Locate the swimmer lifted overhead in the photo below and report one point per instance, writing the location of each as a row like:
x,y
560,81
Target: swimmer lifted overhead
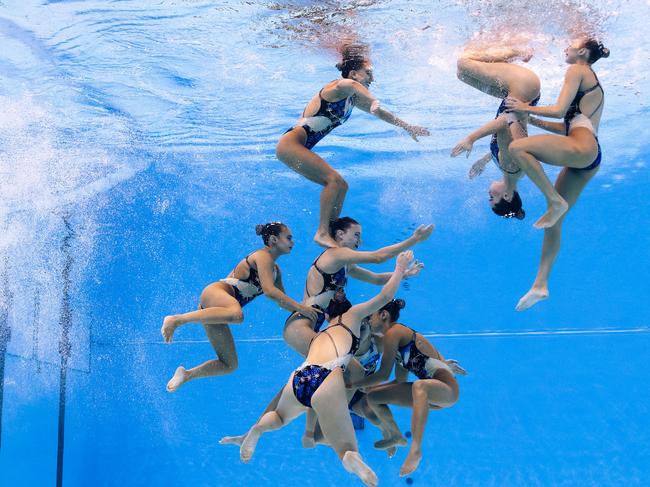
x,y
490,71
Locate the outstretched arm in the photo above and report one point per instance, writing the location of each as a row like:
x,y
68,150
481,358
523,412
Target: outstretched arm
x,y
360,311
347,256
368,103
370,277
492,127
572,81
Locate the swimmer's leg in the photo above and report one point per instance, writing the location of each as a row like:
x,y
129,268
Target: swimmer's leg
x,y
557,150
329,402
362,408
425,393
488,71
569,185
223,343
237,440
288,409
378,399
294,154
217,307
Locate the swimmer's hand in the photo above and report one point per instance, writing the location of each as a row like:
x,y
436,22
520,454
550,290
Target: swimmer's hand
x,y
513,105
455,367
416,131
423,232
464,145
479,166
404,262
309,312
414,269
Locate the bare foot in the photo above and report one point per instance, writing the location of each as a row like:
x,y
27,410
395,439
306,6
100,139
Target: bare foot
x,y
232,440
390,442
531,298
525,54
324,239
553,214
169,326
353,463
247,447
411,463
308,441
180,377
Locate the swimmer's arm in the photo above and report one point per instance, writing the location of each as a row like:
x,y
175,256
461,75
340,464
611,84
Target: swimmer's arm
x,y
265,266
368,103
391,341
348,256
401,374
370,277
278,281
555,127
492,127
568,92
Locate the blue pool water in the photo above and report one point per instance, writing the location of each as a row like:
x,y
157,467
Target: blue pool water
x,y
136,156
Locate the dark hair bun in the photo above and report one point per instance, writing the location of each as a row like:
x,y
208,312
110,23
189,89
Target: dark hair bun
x,y
400,303
339,66
259,229
604,52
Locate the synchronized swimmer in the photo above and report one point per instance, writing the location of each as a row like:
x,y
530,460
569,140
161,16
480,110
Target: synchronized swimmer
x,y
349,351
329,108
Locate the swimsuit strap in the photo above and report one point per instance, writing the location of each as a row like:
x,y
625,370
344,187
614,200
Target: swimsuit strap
x,y
602,98
354,346
336,350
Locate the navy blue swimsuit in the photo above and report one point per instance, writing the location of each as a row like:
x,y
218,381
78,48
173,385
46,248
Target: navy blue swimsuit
x,y
308,377
412,359
494,145
331,282
249,288
330,115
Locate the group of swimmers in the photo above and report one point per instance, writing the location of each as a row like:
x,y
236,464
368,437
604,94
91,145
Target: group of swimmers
x,y
348,360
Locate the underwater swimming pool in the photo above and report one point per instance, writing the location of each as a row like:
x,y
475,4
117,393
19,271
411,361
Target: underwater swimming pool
x,y
137,144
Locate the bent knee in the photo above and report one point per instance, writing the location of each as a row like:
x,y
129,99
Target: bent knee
x,y
236,316
230,364
337,180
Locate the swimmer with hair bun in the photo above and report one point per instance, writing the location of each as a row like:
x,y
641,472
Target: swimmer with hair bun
x,y
221,303
435,388
328,109
577,150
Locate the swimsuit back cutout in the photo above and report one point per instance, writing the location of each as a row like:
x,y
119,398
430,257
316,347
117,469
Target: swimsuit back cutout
x,y
354,346
331,283
330,115
575,110
248,288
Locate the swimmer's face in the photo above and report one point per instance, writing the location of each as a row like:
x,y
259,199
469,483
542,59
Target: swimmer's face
x,y
351,237
364,75
377,325
496,192
575,51
283,242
